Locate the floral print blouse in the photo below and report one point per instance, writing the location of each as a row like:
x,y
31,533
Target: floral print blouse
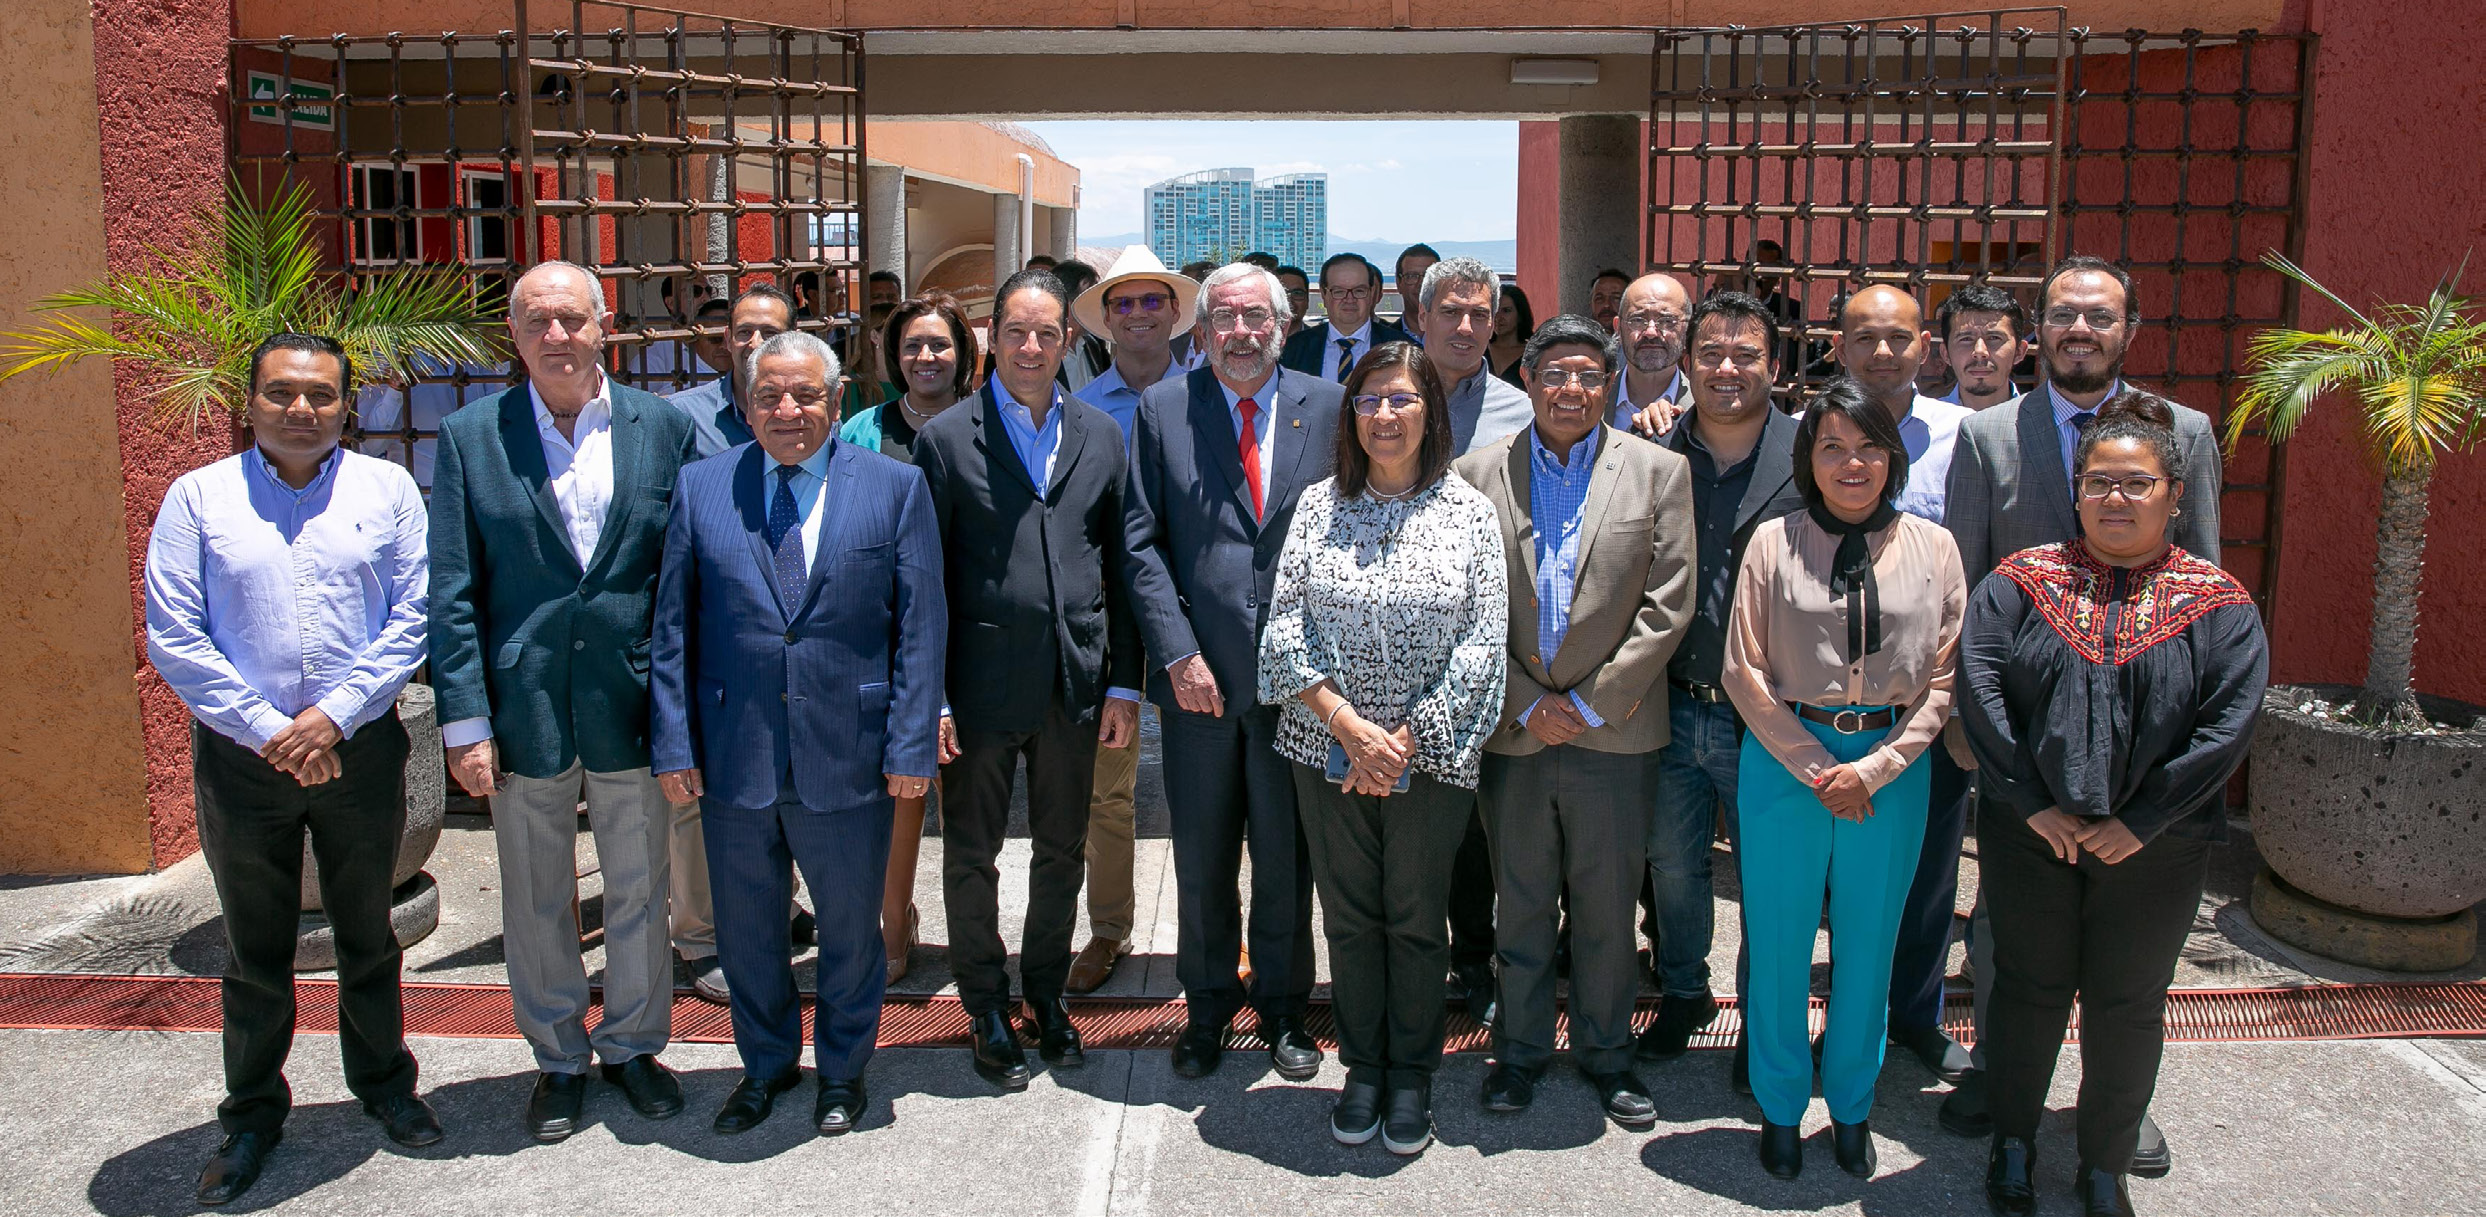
x,y
1404,604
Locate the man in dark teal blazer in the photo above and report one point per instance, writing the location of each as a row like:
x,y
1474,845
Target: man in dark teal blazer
x,y
549,505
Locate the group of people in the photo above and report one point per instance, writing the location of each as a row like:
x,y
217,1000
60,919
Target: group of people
x,y
1487,666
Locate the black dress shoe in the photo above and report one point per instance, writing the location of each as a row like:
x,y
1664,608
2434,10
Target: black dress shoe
x,y
2102,1193
652,1089
2011,1177
804,930
1963,1110
1477,986
1200,1050
1057,1038
1670,1033
407,1120
236,1165
1511,1087
751,1101
1357,1115
1782,1149
1407,1120
1292,1051
998,1057
552,1111
1626,1100
1853,1143
1934,1048
2151,1159
1739,1073
839,1107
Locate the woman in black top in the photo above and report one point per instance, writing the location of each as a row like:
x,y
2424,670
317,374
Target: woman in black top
x,y
1514,322
2111,688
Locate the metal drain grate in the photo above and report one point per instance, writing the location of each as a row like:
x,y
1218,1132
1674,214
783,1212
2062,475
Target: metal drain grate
x,y
191,1003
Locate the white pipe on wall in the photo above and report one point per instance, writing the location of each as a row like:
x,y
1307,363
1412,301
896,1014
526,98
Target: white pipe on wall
x,y
1027,204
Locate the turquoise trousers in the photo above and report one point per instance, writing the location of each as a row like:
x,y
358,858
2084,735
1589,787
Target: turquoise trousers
x,y
1792,851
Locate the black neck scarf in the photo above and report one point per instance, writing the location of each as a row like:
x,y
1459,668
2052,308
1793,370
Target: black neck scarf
x,y
1851,575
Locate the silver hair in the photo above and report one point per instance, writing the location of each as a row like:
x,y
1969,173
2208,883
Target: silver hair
x,y
799,343
1237,272
1461,272
595,286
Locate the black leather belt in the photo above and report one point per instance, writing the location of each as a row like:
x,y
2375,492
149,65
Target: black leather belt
x,y
1705,694
1846,720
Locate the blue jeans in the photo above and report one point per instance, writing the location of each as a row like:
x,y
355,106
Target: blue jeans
x,y
1695,774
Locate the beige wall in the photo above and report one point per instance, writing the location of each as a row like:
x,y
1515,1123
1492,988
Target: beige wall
x,y
73,795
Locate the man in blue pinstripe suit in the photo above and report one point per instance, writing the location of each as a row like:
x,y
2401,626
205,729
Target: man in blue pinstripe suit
x,y
797,665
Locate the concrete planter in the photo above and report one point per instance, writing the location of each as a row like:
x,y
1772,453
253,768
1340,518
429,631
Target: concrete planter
x,y
2382,829
414,900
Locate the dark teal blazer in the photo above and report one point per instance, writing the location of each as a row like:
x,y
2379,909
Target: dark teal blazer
x,y
553,652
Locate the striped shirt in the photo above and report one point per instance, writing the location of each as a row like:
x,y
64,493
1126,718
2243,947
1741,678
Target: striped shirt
x,y
1557,505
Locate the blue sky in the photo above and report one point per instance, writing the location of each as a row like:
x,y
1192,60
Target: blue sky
x,y
1404,181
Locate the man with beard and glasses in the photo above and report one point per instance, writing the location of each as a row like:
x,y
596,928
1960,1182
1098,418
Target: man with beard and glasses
x,y
1985,334
1218,459
1651,395
2011,488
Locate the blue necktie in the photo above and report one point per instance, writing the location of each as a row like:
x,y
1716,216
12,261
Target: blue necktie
x,y
785,536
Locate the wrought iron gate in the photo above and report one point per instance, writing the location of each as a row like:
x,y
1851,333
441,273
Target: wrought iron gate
x,y
1927,152
679,155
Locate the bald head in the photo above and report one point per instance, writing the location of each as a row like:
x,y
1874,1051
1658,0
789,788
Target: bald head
x,y
1882,343
556,320
1651,323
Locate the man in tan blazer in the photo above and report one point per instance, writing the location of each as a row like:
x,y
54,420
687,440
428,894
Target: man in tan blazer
x,y
1597,530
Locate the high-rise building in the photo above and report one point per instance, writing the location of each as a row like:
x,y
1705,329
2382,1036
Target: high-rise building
x,y
1219,215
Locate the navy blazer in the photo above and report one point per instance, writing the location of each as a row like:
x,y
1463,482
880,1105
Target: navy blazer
x,y
1035,582
824,697
552,650
1305,351
1202,566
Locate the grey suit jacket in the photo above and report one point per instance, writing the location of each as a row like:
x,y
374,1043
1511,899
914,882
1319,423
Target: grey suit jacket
x,y
1631,597
2009,490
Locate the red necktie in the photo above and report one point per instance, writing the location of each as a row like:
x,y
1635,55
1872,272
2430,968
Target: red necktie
x,y
1251,451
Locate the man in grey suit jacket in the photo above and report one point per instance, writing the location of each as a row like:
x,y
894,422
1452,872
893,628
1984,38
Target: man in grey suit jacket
x,y
2011,488
1597,531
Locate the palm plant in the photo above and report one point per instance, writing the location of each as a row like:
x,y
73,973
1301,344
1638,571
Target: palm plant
x,y
189,322
2420,373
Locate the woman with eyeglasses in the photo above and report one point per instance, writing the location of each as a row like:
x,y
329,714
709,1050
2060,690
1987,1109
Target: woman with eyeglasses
x,y
1839,659
928,344
1384,645
2109,690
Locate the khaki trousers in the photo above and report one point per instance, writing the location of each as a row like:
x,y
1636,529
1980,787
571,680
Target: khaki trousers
x,y
1111,903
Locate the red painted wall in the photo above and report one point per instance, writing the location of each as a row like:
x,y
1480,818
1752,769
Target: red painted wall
x,y
159,85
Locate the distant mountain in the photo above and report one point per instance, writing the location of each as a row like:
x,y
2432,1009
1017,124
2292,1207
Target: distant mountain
x,y
1502,256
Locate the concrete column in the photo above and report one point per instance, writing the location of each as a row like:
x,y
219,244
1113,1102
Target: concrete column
x,y
1064,226
1600,168
884,221
1007,257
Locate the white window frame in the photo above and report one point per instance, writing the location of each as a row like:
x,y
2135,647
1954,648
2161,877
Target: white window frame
x,y
466,178
410,244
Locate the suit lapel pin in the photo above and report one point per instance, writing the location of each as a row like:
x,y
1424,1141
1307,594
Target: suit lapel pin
x,y
1298,424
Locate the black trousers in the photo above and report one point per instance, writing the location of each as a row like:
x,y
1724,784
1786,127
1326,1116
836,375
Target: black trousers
x,y
1383,867
1568,819
1228,788
1471,896
975,816
1920,959
251,820
2108,934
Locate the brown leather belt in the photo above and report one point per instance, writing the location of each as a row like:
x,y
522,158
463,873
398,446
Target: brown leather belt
x,y
1846,720
1705,694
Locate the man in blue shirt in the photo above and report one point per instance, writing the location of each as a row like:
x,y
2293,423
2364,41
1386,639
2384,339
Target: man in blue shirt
x,y
285,606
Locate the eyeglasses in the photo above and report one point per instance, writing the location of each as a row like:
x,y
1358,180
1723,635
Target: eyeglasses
x,y
1152,302
1652,322
1369,404
283,398
1251,319
2135,488
2098,318
1557,378
1346,293
803,399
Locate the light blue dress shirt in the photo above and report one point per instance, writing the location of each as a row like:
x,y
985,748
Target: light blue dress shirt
x,y
1115,396
808,485
263,600
1930,430
1558,506
2066,430
1625,408
1036,445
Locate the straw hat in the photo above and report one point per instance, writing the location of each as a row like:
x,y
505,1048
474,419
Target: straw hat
x,y
1135,263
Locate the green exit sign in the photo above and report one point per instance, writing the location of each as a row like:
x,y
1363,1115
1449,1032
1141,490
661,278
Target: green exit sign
x,y
264,86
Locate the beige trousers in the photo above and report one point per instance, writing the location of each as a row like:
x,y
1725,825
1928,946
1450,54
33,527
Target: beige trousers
x,y
1111,903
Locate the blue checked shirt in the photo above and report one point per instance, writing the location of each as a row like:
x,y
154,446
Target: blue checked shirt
x,y
1557,504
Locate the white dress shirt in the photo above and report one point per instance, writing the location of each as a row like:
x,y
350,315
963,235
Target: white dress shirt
x,y
580,467
1362,338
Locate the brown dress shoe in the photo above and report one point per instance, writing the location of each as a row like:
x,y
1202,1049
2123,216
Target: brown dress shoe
x,y
1243,966
1095,963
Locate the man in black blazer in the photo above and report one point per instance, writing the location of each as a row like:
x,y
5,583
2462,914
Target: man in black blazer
x,y
1350,288
1205,534
1027,492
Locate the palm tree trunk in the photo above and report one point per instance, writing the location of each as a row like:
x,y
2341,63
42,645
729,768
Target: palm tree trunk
x,y
2389,698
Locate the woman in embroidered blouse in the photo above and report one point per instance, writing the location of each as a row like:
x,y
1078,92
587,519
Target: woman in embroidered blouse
x,y
1839,659
2109,689
1384,643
